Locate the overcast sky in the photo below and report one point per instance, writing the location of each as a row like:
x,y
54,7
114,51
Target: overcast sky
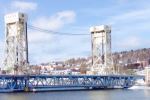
x,y
130,21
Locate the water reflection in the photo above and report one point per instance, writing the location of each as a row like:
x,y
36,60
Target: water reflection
x,y
80,95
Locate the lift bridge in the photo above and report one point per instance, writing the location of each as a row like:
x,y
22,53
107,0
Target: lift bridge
x,y
16,62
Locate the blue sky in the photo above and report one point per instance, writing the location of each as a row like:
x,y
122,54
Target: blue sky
x,y
129,20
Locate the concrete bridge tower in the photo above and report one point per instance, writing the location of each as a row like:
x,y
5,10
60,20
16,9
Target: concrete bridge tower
x,y
16,43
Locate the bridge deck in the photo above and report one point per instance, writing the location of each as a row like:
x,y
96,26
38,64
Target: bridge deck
x,y
11,83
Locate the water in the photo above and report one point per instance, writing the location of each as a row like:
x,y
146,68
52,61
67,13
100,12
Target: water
x,y
134,94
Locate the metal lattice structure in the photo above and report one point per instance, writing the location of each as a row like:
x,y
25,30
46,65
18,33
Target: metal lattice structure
x,y
16,43
10,83
101,49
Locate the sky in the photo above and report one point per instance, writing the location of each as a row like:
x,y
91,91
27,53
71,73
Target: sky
x,y
129,20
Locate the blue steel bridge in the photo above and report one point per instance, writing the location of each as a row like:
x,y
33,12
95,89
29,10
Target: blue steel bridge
x,y
15,83
16,58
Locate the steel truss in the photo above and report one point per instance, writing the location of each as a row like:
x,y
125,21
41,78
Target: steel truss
x,y
9,83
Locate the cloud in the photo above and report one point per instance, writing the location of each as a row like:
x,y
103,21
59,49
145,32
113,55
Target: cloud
x,y
36,37
24,6
131,42
44,47
130,16
60,48
55,21
130,29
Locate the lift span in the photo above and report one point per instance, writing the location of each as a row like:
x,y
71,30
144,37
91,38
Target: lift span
x,y
15,83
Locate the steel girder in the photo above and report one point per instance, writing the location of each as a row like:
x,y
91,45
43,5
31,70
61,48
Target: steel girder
x,y
10,83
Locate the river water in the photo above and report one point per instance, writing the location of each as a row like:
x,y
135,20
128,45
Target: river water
x,y
119,94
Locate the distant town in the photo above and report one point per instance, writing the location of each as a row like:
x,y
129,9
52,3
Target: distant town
x,y
127,62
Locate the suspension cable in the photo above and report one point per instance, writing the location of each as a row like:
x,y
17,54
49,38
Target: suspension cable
x,y
51,31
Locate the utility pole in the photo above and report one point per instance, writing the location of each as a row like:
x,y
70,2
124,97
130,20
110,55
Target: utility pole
x,y
147,75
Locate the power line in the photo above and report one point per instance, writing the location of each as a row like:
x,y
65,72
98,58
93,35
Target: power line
x,y
51,31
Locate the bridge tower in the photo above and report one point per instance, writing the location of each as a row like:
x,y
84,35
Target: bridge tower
x,y
16,43
101,49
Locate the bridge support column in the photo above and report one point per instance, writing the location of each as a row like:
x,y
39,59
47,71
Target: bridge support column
x,y
101,50
16,43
